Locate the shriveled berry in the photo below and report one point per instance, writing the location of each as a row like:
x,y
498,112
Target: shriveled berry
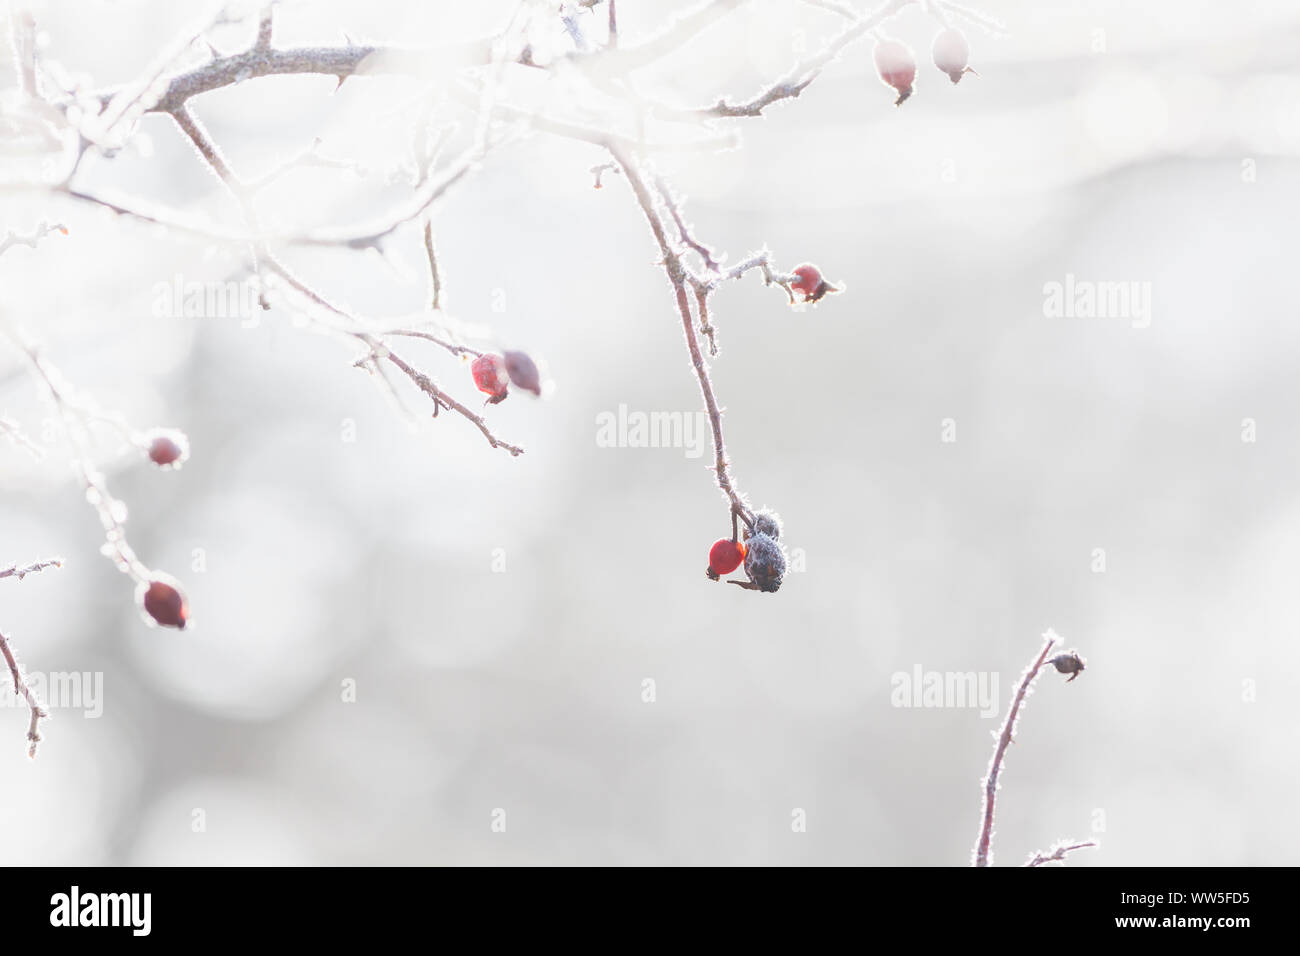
x,y
725,556
1068,663
896,65
951,53
163,600
810,283
490,377
523,372
167,448
766,522
764,562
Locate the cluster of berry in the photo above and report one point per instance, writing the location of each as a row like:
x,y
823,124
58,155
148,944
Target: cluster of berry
x,y
493,374
896,63
160,595
760,551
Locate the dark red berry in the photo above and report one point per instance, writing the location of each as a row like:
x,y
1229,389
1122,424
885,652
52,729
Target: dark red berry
x,y
163,600
490,377
523,372
167,448
810,283
725,556
896,65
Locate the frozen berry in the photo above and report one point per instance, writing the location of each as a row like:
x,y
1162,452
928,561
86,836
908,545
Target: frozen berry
x,y
896,65
951,53
523,372
764,562
163,600
810,283
1068,663
167,448
490,376
725,556
766,522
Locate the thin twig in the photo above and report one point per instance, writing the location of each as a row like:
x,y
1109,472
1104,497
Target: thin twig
x,y
1058,853
677,275
20,683
20,688
42,230
798,79
999,752
14,571
442,400
435,279
683,230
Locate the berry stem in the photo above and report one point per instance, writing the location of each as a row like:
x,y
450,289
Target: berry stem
x,y
677,275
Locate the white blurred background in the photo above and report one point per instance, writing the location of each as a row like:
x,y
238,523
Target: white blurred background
x,y
499,616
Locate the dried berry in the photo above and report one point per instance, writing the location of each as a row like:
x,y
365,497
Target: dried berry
x,y
523,372
1068,663
766,522
725,556
162,599
167,448
764,562
896,65
951,53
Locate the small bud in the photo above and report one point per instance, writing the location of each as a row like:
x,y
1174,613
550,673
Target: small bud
x,y
164,602
167,447
523,372
1068,663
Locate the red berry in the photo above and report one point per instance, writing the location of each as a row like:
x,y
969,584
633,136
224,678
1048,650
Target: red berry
x,y
523,372
725,556
167,448
490,376
163,600
810,283
896,65
951,53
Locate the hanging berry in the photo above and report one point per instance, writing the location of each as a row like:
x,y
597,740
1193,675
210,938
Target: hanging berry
x,y
951,53
809,283
490,377
162,599
724,557
523,372
166,447
896,65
